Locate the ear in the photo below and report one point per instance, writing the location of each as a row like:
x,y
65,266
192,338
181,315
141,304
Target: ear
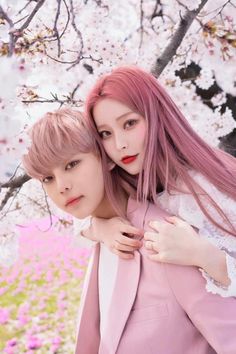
x,y
110,165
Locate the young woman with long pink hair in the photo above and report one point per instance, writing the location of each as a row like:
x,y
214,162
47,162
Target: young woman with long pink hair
x,y
156,152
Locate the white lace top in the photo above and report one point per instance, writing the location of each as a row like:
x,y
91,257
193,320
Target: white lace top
x,y
186,207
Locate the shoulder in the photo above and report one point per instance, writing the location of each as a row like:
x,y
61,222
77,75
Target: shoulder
x,y
225,202
182,203
141,213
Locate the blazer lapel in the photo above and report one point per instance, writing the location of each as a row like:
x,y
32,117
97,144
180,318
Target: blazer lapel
x,y
124,294
88,338
123,297
125,289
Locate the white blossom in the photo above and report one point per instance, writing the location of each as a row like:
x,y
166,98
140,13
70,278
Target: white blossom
x,y
205,79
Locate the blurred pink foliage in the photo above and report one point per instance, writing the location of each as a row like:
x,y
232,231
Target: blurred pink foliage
x,y
40,293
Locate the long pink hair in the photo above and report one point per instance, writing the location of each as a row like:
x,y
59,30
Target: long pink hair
x,y
172,146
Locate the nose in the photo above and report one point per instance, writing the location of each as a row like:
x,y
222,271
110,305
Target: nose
x,y
63,185
121,142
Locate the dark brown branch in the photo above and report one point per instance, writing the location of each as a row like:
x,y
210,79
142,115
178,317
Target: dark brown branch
x,y
55,28
31,16
5,16
12,192
16,33
78,34
61,102
74,90
176,40
68,18
16,182
26,5
141,24
12,41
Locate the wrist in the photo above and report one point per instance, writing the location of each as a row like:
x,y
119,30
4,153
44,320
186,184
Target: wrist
x,y
213,262
96,224
201,253
209,255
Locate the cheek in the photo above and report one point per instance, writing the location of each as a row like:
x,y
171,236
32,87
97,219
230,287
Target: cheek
x,y
49,193
109,146
53,198
140,134
98,190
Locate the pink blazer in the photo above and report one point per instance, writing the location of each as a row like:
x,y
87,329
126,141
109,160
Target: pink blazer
x,y
156,308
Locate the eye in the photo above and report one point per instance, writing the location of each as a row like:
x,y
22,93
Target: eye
x,y
72,164
46,179
130,123
104,134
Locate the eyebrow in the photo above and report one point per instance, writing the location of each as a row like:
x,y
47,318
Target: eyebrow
x,y
117,119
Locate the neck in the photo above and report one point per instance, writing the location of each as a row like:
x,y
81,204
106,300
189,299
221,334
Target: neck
x,y
105,209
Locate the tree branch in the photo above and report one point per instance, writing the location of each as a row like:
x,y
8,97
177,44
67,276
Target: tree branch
x,y
176,40
12,41
31,16
55,28
16,182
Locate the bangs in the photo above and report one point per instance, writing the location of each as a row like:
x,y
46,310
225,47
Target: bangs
x,y
55,138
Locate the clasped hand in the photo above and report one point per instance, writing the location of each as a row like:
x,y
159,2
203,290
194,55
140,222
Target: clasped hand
x,y
173,241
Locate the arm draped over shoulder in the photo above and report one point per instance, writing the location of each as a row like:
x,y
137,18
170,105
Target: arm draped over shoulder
x,y
186,207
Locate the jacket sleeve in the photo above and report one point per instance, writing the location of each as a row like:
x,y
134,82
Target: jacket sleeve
x,y
213,315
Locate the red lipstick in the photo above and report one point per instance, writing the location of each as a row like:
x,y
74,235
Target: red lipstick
x,y
73,201
128,159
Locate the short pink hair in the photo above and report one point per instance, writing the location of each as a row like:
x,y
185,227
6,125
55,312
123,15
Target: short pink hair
x,y
56,137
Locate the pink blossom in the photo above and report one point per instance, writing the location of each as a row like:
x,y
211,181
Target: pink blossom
x,y
4,315
34,342
43,316
9,350
78,273
62,295
54,348
56,340
12,342
22,320
3,290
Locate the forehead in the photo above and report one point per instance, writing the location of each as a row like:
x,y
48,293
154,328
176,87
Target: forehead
x,y
109,108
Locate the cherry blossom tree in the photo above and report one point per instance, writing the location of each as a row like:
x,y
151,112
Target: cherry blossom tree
x,y
51,52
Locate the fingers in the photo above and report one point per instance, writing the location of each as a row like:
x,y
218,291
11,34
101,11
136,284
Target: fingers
x,y
175,220
125,240
86,233
151,236
156,225
155,257
131,230
151,246
127,248
170,221
123,255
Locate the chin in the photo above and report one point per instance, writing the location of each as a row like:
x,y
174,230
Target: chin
x,y
81,215
133,171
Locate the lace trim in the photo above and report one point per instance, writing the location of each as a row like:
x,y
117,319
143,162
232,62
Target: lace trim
x,y
215,287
